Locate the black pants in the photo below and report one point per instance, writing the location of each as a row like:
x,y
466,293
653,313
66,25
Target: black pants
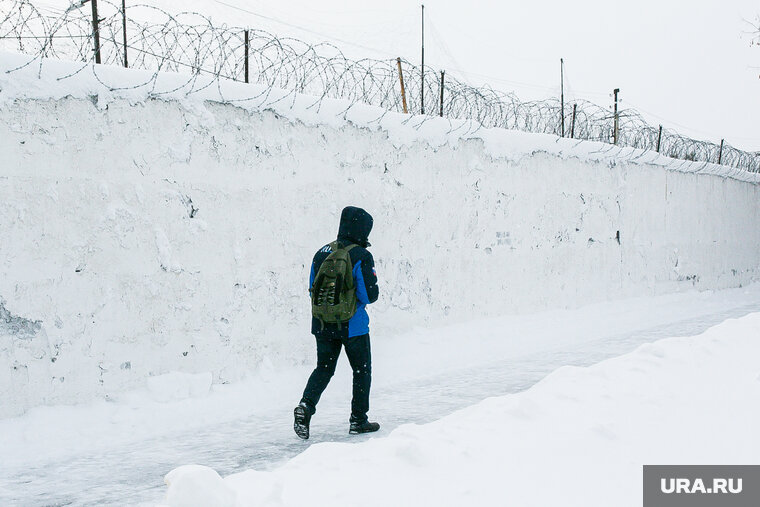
x,y
328,350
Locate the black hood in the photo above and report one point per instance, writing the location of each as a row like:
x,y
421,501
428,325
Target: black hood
x,y
355,226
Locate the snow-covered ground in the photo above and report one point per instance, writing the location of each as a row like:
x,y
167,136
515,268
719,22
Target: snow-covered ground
x,y
117,452
578,437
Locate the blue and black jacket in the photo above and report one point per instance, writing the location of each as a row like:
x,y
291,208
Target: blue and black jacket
x,y
355,226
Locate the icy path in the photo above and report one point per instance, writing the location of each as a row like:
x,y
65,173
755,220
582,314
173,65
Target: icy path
x,y
416,381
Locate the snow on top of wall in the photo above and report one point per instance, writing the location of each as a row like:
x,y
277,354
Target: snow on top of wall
x,y
25,77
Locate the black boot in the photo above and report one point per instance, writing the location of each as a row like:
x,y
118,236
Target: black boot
x,y
363,427
301,419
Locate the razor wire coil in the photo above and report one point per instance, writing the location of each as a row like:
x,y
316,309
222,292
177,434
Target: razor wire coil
x,y
190,43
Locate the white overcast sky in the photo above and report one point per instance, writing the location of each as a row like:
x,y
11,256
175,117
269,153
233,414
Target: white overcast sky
x,y
686,64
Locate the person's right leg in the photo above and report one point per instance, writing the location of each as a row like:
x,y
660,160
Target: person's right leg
x,y
359,355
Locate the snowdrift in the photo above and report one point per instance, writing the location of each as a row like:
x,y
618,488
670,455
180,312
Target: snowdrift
x,y
585,431
153,224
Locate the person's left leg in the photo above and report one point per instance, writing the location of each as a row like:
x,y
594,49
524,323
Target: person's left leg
x,y
328,350
359,355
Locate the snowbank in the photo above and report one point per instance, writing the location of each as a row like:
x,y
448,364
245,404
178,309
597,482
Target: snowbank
x,y
579,437
154,224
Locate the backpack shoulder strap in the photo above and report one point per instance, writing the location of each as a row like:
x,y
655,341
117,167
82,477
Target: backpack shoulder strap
x,y
335,245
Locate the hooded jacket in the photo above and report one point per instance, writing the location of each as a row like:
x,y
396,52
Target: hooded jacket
x,y
355,226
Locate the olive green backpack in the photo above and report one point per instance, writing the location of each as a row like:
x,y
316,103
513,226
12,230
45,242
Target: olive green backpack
x,y
333,294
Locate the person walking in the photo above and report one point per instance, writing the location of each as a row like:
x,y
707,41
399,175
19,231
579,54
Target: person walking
x,y
342,283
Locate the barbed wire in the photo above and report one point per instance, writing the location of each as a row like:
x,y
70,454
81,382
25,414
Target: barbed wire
x,y
189,43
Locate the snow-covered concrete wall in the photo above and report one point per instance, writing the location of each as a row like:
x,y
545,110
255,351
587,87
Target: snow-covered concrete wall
x,y
137,238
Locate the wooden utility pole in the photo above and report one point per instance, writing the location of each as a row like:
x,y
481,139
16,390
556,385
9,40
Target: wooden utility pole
x,y
401,80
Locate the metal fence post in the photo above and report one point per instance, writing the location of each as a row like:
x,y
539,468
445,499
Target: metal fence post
x,y
246,55
616,130
401,80
124,29
95,32
572,126
422,71
562,96
443,73
720,153
659,138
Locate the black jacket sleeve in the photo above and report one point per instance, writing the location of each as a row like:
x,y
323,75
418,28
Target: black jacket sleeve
x,y
370,278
